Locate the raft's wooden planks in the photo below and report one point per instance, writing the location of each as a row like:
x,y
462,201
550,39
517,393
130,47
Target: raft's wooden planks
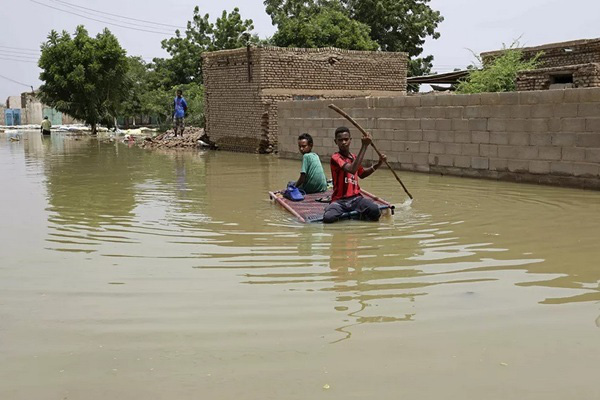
x,y
311,210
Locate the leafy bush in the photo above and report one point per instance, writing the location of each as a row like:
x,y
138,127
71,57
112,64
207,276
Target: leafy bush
x,y
500,74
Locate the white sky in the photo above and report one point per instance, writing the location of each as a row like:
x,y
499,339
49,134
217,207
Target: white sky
x,y
478,25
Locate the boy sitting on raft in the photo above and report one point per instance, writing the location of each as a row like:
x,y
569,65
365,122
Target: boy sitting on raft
x,y
312,177
346,168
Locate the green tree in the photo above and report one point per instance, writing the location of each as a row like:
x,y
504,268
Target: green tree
x,y
395,25
323,26
84,77
499,74
137,83
185,65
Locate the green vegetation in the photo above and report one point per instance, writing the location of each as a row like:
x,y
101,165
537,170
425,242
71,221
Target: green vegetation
x,y
93,80
84,77
498,75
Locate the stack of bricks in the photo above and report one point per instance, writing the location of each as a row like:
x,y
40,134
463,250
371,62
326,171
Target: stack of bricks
x,y
541,136
241,102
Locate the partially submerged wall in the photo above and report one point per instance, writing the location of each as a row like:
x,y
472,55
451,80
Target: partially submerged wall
x,y
543,136
243,87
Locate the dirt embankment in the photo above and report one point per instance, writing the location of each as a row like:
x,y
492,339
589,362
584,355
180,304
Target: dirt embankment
x,y
193,138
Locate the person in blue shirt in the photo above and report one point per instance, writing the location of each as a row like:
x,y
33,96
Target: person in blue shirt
x,y
180,107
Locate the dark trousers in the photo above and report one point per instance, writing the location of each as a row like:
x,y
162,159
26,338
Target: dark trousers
x,y
366,208
45,132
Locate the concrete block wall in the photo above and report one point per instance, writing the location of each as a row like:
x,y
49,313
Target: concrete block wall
x,y
548,137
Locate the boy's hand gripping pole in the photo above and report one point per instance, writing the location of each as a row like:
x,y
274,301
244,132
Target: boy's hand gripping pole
x,y
353,122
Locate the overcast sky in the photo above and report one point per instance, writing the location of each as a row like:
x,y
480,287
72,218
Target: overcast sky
x,y
477,25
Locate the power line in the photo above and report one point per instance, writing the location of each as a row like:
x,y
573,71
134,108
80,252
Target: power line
x,y
19,50
74,7
4,53
97,20
116,15
12,80
12,59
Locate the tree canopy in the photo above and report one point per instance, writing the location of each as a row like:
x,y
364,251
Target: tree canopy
x,y
229,31
82,76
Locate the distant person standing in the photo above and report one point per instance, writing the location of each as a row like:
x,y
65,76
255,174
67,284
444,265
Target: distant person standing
x,y
180,107
46,125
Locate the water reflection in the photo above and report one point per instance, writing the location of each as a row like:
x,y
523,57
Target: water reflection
x,y
210,210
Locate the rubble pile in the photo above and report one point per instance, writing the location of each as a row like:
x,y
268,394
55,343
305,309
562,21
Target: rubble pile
x,y
193,138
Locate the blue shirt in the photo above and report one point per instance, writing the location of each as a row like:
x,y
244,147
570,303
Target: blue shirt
x,y
180,107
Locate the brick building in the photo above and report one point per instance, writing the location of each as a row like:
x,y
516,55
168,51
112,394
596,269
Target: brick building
x,y
243,86
561,65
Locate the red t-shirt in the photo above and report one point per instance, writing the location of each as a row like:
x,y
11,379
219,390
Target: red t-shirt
x,y
345,184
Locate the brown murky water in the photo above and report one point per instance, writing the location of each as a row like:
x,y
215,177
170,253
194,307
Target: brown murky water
x,y
133,274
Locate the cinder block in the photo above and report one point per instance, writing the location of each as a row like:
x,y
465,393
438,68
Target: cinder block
x,y
564,110
384,145
550,96
572,124
471,112
384,102
498,138
508,98
480,137
437,148
423,147
431,136
460,100
589,95
413,124
413,101
400,101
518,138
496,125
518,166
593,125
554,125
429,100
474,99
443,124
488,150
459,124
588,139
399,146
404,158
490,98
444,100
421,159
498,164
592,155
470,149
521,111
588,109
478,124
453,112
446,136
415,135
462,137
526,152
480,162
462,161
519,125
405,112
561,168
573,154
586,170
539,167
529,98
540,139
428,124
506,152
563,139
453,148
549,153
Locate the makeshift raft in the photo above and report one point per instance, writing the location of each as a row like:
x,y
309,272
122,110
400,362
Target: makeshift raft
x,y
311,209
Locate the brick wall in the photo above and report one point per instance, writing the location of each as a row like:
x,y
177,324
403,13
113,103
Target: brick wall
x,y
559,54
584,75
542,136
242,114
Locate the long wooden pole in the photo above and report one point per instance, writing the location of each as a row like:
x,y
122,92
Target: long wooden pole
x,y
353,122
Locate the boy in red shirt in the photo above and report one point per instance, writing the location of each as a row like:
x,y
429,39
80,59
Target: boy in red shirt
x,y
345,170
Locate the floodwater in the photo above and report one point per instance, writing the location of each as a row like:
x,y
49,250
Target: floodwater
x,y
127,273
